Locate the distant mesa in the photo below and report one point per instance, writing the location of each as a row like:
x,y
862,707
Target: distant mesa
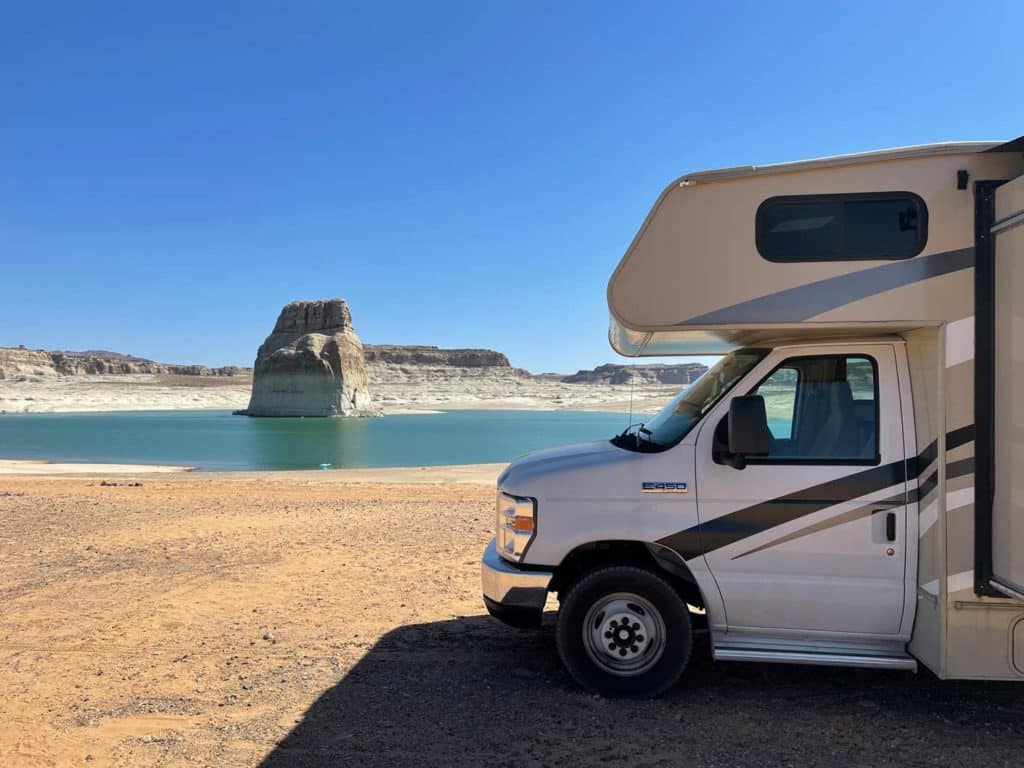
x,y
17,362
648,374
312,364
398,354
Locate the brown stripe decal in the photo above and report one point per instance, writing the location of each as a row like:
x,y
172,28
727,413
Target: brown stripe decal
x,y
846,517
959,437
927,486
750,521
795,305
960,468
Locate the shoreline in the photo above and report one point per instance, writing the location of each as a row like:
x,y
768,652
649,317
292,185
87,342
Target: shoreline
x,y
103,393
485,473
46,468
649,406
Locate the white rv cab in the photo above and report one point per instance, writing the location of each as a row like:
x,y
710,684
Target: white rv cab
x,y
845,485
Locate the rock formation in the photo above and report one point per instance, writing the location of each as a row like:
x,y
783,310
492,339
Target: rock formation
x,y
427,376
312,364
312,361
645,373
398,354
16,362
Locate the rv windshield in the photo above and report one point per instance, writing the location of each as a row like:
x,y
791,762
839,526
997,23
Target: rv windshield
x,y
677,418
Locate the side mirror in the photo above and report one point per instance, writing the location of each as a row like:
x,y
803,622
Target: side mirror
x,y
748,429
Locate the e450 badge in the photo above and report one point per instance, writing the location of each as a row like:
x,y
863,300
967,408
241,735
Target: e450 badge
x,y
661,486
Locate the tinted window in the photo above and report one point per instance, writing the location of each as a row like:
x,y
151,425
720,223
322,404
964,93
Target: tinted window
x,y
822,409
882,225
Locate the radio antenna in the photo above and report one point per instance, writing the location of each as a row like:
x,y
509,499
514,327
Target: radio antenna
x,y
632,385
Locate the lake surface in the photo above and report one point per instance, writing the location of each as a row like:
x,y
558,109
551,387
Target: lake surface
x,y
216,440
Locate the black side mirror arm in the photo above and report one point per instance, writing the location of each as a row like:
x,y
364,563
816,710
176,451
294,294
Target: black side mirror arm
x,y
721,455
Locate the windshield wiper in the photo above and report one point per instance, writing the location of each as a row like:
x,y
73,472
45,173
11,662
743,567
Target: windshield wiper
x,y
641,430
626,431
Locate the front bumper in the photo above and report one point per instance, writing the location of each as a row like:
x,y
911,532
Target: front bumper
x,y
513,594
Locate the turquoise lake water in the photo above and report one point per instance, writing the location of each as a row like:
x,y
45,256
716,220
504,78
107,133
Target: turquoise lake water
x,y
216,440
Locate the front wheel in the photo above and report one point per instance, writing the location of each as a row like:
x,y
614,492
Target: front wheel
x,y
624,631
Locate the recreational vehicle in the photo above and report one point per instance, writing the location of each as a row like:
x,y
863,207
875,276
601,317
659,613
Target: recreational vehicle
x,y
846,485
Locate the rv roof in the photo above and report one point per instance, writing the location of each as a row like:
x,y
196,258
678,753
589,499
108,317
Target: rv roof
x,y
690,282
879,155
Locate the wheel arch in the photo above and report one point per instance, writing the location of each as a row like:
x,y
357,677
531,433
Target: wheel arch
x,y
655,557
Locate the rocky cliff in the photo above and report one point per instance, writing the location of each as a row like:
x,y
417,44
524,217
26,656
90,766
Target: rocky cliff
x,y
385,363
393,364
647,374
311,364
16,362
322,340
396,354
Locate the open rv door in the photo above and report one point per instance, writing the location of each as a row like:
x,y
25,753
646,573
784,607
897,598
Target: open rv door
x,y
1004,570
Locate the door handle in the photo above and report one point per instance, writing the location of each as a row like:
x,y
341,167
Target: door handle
x,y
890,526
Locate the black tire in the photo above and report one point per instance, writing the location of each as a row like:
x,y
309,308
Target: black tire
x,y
605,586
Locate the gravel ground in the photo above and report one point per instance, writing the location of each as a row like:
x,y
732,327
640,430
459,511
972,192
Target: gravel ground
x,y
289,621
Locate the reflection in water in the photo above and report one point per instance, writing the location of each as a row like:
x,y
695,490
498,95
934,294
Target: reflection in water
x,y
306,443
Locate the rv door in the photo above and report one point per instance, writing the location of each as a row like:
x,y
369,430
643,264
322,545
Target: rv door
x,y
1007,235
812,535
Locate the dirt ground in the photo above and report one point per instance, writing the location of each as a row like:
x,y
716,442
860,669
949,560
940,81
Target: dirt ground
x,y
299,621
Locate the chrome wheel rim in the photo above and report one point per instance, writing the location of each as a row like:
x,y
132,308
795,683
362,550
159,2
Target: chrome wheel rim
x,y
624,634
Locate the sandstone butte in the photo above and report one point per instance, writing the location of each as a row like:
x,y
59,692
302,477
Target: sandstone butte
x,y
311,364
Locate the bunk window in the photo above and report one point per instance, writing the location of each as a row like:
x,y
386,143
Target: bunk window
x,y
877,225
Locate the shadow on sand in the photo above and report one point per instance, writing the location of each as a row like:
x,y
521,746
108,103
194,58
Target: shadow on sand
x,y
473,692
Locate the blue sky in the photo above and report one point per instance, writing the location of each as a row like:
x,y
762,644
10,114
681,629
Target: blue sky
x,y
466,174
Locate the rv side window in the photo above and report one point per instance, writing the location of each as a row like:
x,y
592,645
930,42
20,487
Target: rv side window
x,y
822,409
849,227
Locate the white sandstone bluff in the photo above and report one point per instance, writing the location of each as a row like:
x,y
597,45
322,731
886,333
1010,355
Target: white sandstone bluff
x,y
402,379
312,364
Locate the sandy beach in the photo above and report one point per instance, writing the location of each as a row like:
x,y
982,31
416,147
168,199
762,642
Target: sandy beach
x,y
334,619
460,473
48,468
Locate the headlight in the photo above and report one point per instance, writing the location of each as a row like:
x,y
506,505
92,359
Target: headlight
x,y
516,525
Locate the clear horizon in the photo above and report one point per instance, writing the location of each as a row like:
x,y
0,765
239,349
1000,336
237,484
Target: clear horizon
x,y
465,175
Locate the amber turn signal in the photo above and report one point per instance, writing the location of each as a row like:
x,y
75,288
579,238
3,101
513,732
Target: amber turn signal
x,y
523,524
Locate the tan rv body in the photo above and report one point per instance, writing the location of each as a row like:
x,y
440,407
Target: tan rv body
x,y
693,282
